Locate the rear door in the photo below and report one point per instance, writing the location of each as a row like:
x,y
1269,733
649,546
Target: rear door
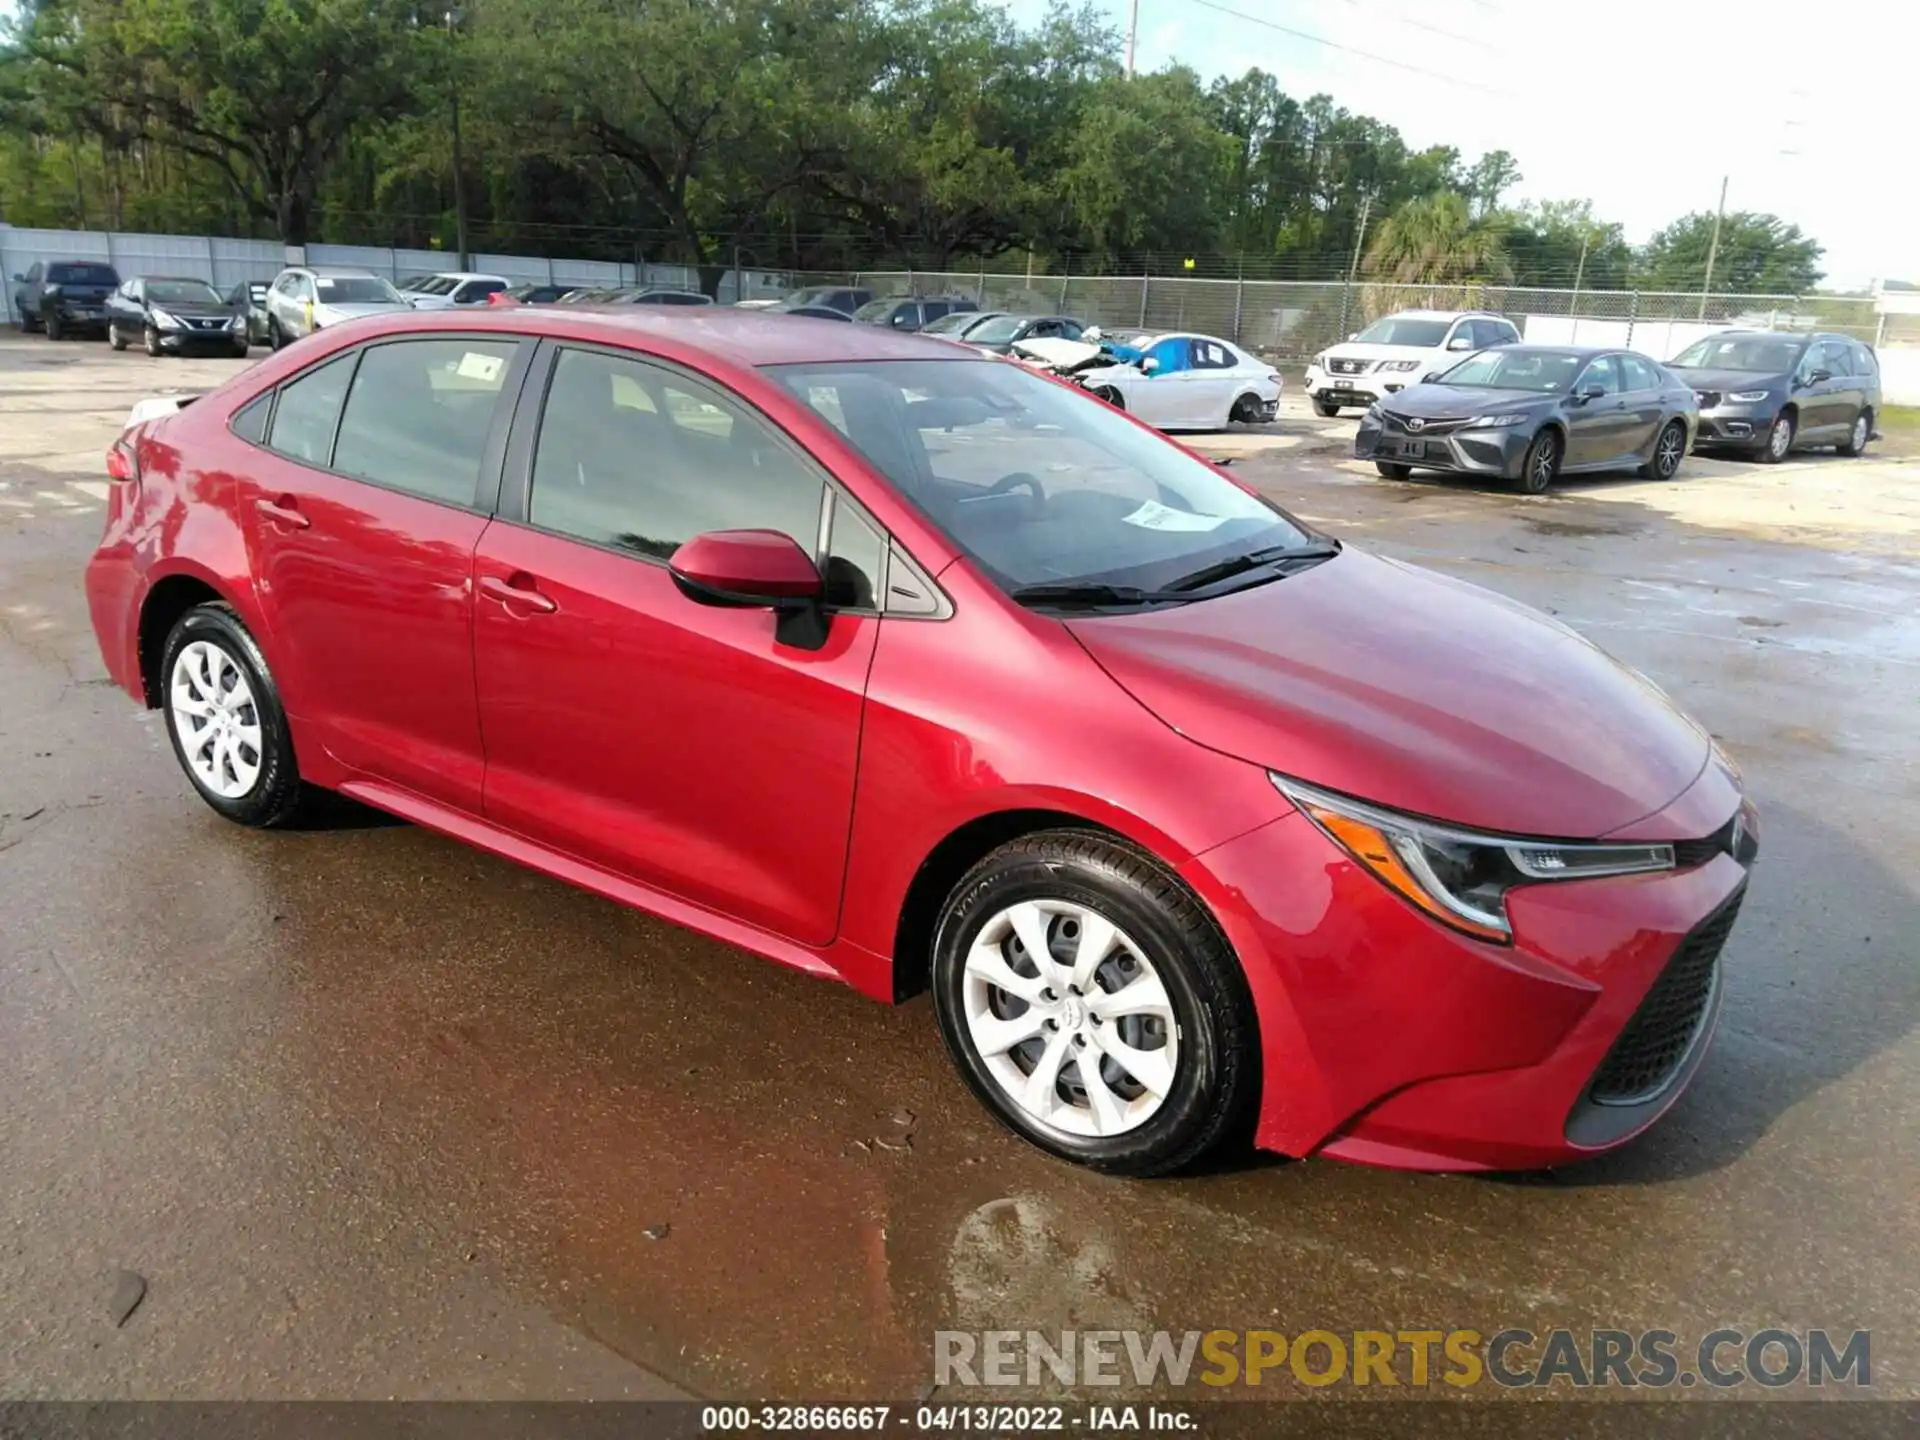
x,y
1645,403
361,516
684,746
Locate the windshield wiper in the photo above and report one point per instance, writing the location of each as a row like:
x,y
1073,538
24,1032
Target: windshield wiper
x,y
1252,560
1093,594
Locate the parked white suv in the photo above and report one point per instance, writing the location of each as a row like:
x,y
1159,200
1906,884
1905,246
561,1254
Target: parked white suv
x,y
454,287
306,298
1398,351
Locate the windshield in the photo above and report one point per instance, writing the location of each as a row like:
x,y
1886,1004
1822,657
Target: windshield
x,y
1399,330
1546,371
956,323
1039,484
437,285
875,310
183,292
356,290
82,275
1763,354
999,330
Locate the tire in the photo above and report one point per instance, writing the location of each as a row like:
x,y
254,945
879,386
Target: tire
x,y
1393,470
114,337
1669,450
29,324
1542,465
209,640
1246,411
1112,396
1326,411
153,342
1855,445
51,324
276,337
1201,1026
241,347
1779,441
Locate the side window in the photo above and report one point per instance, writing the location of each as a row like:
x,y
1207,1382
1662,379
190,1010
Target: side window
x,y
250,420
1602,372
419,415
905,317
634,455
33,273
1069,330
1169,357
855,558
1863,361
1640,375
284,285
1834,356
309,412
1212,356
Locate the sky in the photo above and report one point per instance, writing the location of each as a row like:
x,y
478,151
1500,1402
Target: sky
x,y
1640,106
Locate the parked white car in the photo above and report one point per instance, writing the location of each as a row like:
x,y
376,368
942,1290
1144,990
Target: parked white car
x,y
1179,382
306,298
455,287
1399,351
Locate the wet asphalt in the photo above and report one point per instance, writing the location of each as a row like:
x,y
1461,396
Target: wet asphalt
x,y
373,1114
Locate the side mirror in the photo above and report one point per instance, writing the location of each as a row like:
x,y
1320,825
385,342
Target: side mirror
x,y
1591,392
1460,342
746,568
1354,336
1817,376
1149,364
19,279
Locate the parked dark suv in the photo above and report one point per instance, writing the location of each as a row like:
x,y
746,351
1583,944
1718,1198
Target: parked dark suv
x,y
1769,392
64,295
910,312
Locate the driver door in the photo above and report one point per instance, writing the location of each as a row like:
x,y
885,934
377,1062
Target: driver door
x,y
1596,429
1159,396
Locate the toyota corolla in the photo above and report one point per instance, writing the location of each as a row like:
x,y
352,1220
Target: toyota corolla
x,y
917,670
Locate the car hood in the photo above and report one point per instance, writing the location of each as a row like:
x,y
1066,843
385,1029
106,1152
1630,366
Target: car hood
x,y
1413,690
357,309
199,309
1728,379
1436,402
1356,350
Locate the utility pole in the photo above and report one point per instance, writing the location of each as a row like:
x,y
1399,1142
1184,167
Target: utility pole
x,y
1133,33
1713,247
1359,240
453,18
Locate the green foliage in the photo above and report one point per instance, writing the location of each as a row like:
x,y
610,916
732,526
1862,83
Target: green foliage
x,y
822,134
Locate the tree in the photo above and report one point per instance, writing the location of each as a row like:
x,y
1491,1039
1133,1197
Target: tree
x,y
266,92
1758,254
1559,243
1436,241
1490,177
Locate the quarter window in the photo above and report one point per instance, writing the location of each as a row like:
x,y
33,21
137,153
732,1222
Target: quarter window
x,y
309,412
634,456
1640,375
419,415
1863,361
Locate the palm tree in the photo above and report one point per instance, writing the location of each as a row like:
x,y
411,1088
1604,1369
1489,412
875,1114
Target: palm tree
x,y
1436,241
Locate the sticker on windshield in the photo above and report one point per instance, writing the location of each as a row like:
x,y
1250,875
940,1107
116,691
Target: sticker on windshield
x,y
1155,516
476,366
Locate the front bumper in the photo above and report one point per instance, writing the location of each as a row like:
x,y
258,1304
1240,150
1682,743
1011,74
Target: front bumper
x,y
1357,389
80,317
1741,425
180,341
1497,453
1390,1039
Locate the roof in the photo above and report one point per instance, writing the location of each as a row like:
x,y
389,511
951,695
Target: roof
x,y
748,338
1439,315
339,270
471,275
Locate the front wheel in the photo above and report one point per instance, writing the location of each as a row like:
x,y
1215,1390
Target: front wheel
x,y
1857,438
224,717
51,321
153,342
1668,451
276,337
1542,463
1392,470
1326,409
1093,1006
1779,441
114,338
1112,396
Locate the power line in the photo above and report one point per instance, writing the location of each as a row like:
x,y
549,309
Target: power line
x,y
1313,39
1413,24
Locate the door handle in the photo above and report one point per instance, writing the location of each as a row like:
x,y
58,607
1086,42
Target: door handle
x,y
282,512
517,589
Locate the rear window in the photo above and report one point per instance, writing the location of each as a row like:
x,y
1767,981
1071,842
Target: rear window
x,y
71,274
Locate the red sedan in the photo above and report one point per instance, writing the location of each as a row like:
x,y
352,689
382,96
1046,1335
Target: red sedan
x,y
918,670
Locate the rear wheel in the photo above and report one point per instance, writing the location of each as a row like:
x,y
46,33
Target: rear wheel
x,y
1779,441
1326,409
1393,470
114,338
1857,438
1246,410
1542,463
1093,1005
224,717
276,337
1668,451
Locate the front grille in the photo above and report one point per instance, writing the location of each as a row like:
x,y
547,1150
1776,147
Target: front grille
x,y
199,323
1347,367
1707,398
1428,428
1732,838
1662,1031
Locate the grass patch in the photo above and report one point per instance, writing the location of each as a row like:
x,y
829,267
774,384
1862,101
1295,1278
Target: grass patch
x,y
1899,427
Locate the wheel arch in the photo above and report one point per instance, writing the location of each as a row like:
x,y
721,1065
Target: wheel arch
x,y
166,600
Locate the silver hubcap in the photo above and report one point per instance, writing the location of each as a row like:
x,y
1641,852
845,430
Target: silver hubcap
x,y
216,720
1070,1019
1781,438
1543,463
1669,452
1860,433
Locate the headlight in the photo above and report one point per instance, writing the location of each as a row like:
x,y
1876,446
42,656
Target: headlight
x,y
1747,397
234,322
1400,365
1373,411
161,319
1320,360
1493,422
1459,877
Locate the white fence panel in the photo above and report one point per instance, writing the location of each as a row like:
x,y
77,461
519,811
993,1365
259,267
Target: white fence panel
x,y
1899,374
237,260
377,258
